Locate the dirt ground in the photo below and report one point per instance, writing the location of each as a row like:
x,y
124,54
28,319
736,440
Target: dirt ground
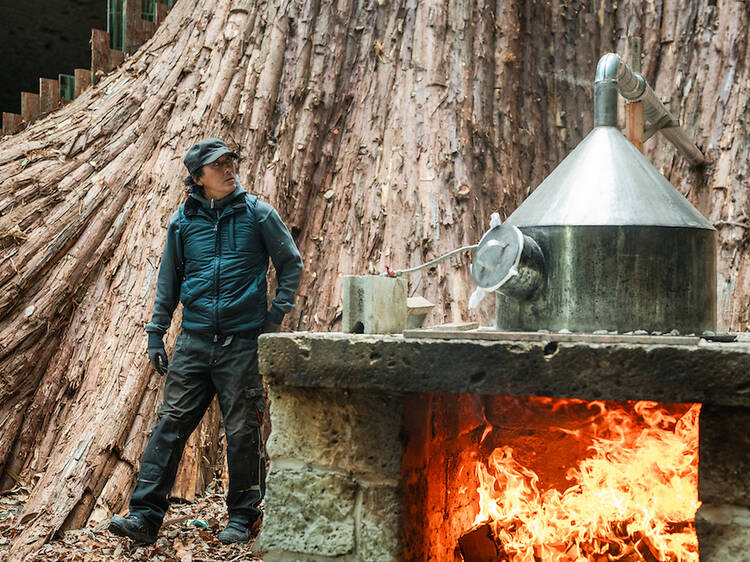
x,y
188,535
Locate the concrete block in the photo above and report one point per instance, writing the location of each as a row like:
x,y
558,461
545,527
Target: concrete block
x,y
380,524
308,511
356,431
374,304
417,310
724,455
723,533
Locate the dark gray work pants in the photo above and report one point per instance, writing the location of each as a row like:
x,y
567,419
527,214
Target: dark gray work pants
x,y
201,367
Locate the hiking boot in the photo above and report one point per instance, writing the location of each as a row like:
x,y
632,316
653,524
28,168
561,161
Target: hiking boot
x,y
239,532
133,527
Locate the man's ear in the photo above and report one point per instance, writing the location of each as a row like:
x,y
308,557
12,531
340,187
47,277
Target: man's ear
x,y
198,180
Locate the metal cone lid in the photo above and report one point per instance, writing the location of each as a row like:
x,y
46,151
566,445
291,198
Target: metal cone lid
x,y
607,181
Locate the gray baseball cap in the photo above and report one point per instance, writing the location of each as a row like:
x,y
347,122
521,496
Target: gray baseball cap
x,y
205,152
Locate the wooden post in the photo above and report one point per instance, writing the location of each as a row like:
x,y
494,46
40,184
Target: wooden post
x,y
49,95
161,12
634,110
11,123
103,59
83,80
115,58
149,28
30,107
133,25
99,54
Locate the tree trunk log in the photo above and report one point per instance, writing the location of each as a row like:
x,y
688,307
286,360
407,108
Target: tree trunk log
x,y
383,132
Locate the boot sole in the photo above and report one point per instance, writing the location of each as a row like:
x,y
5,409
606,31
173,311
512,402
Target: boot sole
x,y
234,541
132,535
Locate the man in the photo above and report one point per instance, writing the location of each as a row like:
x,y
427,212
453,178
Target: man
x,y
215,262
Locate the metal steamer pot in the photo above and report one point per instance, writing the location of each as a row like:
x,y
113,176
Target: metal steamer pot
x,y
604,243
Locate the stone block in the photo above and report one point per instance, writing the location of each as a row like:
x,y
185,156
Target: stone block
x,y
350,431
380,524
374,304
723,533
713,373
308,511
724,449
417,309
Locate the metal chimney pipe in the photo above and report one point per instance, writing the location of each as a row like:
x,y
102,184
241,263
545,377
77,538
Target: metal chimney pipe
x,y
614,75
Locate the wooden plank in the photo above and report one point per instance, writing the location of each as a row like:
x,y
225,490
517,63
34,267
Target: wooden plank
x,y
149,28
478,545
161,12
634,123
11,123
100,64
83,80
456,327
49,95
133,25
634,111
489,334
115,58
30,107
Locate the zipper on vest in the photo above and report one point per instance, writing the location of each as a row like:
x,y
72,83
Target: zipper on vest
x,y
217,270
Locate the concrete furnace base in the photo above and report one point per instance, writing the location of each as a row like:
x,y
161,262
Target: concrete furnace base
x,y
337,413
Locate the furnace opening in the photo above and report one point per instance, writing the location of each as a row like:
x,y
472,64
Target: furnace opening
x,y
540,479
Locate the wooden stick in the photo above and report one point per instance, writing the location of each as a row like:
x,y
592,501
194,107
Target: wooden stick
x,y
478,545
634,110
634,123
115,58
83,80
645,547
49,95
100,57
148,28
30,107
11,123
161,12
133,25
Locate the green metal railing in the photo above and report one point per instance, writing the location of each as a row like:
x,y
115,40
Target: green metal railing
x,y
67,86
116,19
116,24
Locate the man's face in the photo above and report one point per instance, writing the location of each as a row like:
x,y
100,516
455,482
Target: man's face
x,y
218,177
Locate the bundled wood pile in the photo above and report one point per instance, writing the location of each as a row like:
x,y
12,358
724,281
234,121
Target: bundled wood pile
x,y
480,544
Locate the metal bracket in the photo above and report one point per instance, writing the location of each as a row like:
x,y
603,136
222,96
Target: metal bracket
x,y
663,123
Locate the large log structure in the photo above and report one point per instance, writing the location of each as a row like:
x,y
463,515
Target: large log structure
x,y
384,132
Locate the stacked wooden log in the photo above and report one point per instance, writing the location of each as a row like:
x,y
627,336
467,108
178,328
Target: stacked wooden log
x,y
481,544
103,60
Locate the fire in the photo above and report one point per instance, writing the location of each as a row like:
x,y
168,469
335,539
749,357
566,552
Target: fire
x,y
634,492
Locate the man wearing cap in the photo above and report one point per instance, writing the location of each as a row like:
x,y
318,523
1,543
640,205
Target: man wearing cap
x,y
215,262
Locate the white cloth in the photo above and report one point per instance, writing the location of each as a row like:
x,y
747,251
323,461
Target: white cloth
x,y
476,297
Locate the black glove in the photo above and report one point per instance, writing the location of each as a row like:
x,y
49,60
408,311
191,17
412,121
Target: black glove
x,y
272,322
269,327
157,354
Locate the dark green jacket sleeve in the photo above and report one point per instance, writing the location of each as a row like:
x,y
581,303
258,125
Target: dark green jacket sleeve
x,y
169,280
285,257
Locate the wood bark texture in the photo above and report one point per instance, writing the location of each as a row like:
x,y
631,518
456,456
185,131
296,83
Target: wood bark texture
x,y
384,132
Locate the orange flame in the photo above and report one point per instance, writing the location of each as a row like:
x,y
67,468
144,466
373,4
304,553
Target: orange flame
x,y
638,486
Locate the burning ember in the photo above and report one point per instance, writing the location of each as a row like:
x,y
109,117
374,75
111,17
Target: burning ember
x,y
632,495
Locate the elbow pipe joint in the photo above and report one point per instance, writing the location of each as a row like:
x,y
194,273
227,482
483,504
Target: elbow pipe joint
x,y
614,76
605,91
